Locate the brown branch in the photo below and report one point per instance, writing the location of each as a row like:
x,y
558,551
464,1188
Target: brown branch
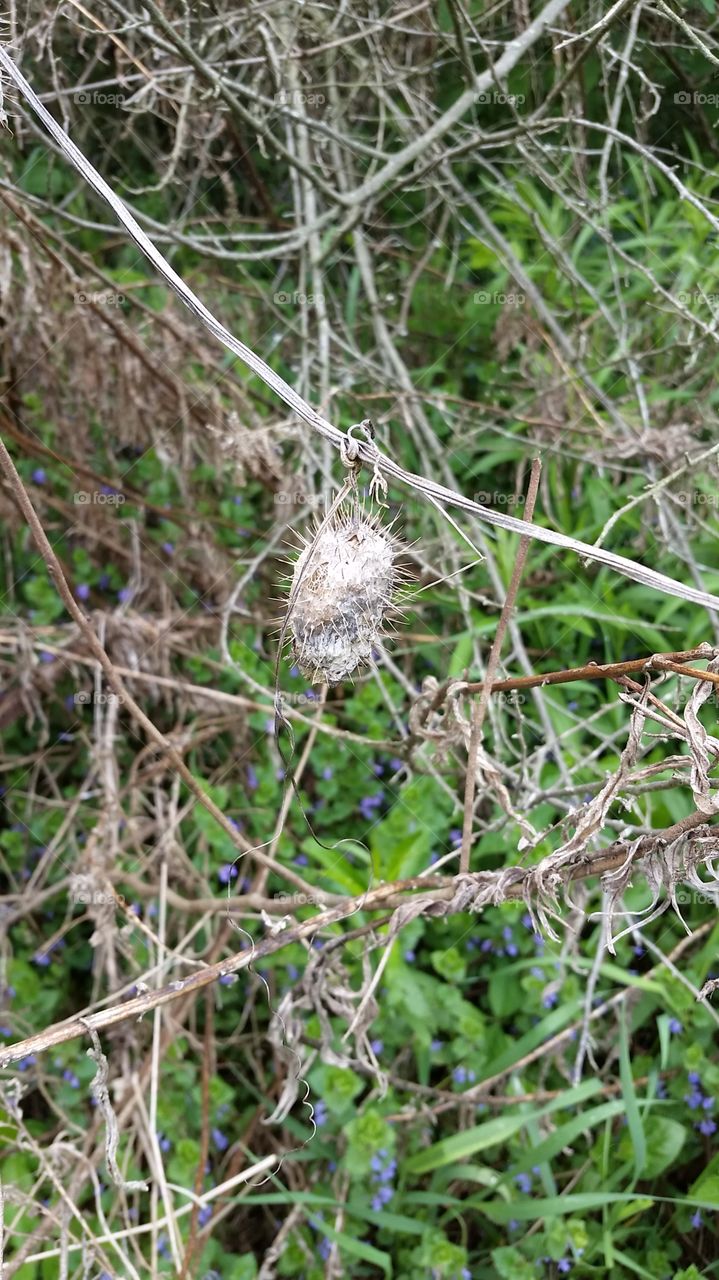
x,y
57,577
592,671
490,888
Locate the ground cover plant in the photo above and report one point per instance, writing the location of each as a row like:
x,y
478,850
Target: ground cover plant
x,y
404,968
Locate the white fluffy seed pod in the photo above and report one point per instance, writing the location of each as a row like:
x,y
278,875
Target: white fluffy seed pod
x,y
345,584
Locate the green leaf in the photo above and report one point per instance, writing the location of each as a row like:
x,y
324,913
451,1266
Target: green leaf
x,y
512,1265
634,1119
664,1141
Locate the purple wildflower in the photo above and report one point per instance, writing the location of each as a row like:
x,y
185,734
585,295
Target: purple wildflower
x,y
696,1220
524,1182
226,873
675,1026
707,1127
320,1116
382,1197
220,1140
39,475
204,1215
82,591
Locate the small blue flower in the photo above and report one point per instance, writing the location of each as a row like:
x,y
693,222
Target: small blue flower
x,y
39,475
204,1215
226,873
696,1220
163,1142
693,1077
252,779
409,956
707,1127
82,591
168,548
549,999
124,595
675,1026
220,1140
327,773
436,1045
376,1046
524,1182
320,1116
381,1198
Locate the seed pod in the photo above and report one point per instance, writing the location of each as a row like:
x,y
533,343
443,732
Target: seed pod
x,y
344,584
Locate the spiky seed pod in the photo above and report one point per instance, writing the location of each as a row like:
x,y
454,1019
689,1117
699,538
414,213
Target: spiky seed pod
x,y
345,584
